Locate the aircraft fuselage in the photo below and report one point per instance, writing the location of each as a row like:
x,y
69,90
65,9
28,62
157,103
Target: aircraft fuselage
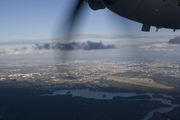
x,y
158,13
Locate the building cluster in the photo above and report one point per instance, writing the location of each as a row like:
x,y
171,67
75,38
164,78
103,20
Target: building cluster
x,y
83,70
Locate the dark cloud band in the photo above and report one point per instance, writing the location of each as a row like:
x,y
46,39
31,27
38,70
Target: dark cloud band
x,y
175,40
89,45
16,49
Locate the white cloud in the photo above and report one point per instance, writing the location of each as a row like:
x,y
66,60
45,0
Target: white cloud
x,y
19,52
162,45
162,49
41,51
10,53
145,47
158,47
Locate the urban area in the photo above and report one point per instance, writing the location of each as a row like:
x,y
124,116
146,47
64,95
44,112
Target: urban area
x,y
90,73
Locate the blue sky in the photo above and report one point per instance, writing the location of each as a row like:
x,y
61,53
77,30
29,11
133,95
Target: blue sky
x,y
26,19
27,22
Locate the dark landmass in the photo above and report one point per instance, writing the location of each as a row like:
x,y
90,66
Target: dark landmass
x,y
138,89
101,86
68,93
27,104
158,116
172,115
176,100
104,95
166,80
130,74
69,78
157,96
111,82
161,96
122,87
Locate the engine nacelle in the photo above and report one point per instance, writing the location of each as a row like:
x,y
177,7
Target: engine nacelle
x,y
96,5
110,2
125,8
159,13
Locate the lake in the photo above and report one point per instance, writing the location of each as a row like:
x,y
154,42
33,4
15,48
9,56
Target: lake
x,y
86,93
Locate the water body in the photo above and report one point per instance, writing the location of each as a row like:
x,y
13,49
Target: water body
x,y
86,93
161,110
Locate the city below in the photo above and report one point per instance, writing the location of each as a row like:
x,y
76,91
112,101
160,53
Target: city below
x,y
154,85
48,74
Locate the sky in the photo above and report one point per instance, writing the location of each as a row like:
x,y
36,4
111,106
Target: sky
x,y
37,29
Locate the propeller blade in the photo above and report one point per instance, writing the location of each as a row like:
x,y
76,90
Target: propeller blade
x,y
69,24
75,13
